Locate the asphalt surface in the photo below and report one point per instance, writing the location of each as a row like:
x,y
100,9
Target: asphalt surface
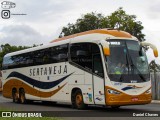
x,y
91,113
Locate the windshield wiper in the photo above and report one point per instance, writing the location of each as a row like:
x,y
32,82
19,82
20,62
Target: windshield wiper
x,y
127,64
133,65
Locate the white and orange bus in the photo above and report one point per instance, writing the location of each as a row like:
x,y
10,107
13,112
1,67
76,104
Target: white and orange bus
x,y
98,67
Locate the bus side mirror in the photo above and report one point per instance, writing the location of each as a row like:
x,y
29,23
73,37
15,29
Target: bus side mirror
x,y
154,48
141,51
105,46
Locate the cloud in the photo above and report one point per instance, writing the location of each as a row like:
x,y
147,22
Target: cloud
x,y
154,10
46,17
21,35
153,37
40,11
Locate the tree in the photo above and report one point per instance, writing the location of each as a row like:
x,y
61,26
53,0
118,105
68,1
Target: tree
x,y
117,20
154,67
120,20
89,21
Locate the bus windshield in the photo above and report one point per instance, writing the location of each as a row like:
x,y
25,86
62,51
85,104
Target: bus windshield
x,y
127,62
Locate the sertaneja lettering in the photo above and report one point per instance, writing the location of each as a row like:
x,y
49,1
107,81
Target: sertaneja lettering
x,y
52,70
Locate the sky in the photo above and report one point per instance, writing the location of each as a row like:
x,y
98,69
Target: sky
x,y
45,19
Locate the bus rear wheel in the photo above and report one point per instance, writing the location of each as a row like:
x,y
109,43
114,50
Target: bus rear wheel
x,y
22,96
78,100
15,96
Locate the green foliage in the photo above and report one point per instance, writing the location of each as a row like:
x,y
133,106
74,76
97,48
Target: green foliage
x,y
154,67
8,49
117,20
89,21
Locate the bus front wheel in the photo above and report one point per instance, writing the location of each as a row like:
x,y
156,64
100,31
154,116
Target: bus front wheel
x,y
78,100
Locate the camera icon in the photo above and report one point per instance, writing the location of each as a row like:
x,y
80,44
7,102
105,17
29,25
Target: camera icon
x,y
5,14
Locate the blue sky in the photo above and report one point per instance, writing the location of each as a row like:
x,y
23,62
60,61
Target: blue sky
x,y
45,19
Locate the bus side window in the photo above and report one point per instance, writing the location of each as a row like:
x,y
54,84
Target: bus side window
x,y
97,65
38,57
59,53
51,55
44,56
7,62
81,54
63,53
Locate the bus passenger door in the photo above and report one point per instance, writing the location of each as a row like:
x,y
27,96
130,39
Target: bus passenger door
x,y
98,79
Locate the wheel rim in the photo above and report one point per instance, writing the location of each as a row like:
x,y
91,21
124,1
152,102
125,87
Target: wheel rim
x,y
79,100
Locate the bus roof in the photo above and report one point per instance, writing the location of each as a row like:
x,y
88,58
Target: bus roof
x,y
96,34
110,32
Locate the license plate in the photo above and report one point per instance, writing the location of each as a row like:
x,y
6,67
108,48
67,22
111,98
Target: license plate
x,y
135,99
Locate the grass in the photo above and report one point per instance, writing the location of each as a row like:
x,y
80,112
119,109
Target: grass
x,y
4,109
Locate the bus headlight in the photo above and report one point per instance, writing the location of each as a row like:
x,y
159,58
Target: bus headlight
x,y
148,91
113,91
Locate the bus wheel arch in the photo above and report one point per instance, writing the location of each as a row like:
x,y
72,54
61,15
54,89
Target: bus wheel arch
x,y
15,95
77,99
22,97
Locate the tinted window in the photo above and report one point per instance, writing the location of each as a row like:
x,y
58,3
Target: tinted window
x,y
97,65
59,53
127,62
45,56
82,54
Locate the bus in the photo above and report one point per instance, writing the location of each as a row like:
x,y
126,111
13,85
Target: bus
x,y
104,67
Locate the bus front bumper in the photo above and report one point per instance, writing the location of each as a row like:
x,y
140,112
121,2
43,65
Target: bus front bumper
x,y
125,99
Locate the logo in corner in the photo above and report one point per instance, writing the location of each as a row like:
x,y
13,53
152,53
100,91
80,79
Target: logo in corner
x,y
8,5
5,14
6,114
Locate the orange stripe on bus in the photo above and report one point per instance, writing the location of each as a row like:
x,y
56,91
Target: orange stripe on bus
x,y
8,86
115,33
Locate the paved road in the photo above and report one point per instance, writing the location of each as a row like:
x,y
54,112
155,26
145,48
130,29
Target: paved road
x,y
91,111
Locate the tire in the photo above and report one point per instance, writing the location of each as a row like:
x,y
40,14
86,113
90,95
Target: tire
x,y
15,96
22,98
77,100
